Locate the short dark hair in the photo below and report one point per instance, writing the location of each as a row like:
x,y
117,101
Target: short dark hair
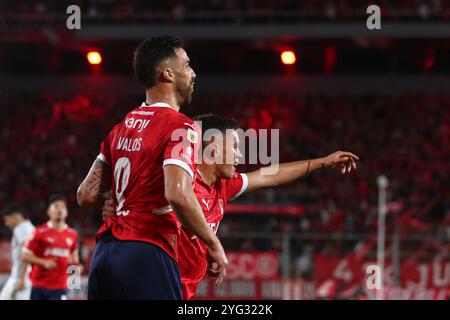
x,y
56,197
213,121
149,53
12,209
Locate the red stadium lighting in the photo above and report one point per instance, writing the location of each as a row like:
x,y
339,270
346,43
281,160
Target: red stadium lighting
x,y
288,57
94,57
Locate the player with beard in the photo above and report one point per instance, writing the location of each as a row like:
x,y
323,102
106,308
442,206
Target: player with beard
x,y
147,161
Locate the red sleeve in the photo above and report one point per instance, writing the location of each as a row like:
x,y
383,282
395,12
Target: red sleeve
x,y
236,185
33,244
105,153
183,145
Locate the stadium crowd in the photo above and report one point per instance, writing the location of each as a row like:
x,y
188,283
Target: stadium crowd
x,y
226,11
49,142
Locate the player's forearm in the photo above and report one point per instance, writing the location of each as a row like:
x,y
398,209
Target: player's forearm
x,y
96,187
23,265
179,193
190,214
31,258
291,171
286,172
94,198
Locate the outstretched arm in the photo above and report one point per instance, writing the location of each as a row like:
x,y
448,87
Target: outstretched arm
x,y
96,187
291,171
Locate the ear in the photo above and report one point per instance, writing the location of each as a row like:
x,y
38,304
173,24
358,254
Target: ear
x,y
217,149
167,75
213,149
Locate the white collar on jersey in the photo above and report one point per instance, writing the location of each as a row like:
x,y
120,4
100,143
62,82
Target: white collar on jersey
x,y
51,226
158,104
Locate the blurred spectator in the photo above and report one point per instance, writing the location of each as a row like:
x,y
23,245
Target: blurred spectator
x,y
207,11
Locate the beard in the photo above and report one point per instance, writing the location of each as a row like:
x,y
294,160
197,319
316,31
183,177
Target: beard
x,y
188,97
185,92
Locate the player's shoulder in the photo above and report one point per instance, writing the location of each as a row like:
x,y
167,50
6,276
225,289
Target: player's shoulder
x,y
43,228
117,127
182,117
24,226
27,225
237,176
230,182
181,126
71,231
181,120
113,132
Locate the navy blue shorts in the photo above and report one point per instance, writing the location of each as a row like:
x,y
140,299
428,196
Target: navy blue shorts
x,y
132,270
48,294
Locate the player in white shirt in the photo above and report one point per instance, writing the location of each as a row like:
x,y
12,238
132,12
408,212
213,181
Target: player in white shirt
x,y
18,286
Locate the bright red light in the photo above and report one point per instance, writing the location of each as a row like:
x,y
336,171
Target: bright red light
x,y
288,57
94,57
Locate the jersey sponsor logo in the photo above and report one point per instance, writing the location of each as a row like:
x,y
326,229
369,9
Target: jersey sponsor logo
x,y
69,241
192,136
143,113
206,202
138,124
190,125
57,252
50,239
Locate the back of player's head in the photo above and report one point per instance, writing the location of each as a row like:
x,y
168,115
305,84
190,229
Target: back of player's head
x,y
213,121
149,53
12,210
56,197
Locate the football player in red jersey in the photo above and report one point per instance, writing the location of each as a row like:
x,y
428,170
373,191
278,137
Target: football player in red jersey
x,y
50,251
148,162
218,182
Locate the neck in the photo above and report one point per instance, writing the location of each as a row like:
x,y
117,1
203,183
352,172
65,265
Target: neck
x,y
58,225
158,94
208,173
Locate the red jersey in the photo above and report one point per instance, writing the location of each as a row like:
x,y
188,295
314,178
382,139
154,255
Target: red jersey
x,y
149,138
49,243
213,200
